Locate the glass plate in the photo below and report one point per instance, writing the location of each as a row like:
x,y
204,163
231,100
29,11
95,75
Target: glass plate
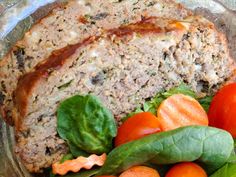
x,y
221,12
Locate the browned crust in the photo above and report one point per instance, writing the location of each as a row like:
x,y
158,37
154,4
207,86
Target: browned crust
x,y
54,62
27,82
57,5
145,26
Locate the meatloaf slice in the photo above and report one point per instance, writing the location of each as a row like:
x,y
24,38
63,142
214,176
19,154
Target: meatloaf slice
x,y
68,25
123,67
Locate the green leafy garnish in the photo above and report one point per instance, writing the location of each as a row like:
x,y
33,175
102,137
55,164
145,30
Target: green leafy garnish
x,y
66,157
182,88
228,170
205,102
86,125
232,159
154,103
211,147
76,151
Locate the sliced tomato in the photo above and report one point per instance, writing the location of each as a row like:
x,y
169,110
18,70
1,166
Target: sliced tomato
x,y
136,127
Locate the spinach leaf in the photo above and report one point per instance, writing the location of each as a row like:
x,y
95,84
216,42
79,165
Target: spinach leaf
x,y
228,170
86,125
154,103
235,145
211,147
76,151
232,159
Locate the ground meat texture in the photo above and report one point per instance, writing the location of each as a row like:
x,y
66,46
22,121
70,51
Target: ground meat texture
x,y
100,16
67,25
19,53
123,67
2,97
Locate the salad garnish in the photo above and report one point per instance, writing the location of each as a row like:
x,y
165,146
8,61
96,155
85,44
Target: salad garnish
x,y
166,136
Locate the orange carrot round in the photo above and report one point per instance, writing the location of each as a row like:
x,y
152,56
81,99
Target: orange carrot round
x,y
140,171
180,110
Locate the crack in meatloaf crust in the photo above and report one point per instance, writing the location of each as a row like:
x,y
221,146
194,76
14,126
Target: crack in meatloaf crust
x,y
123,66
68,25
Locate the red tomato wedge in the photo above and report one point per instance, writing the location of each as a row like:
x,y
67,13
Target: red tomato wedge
x,y
222,111
136,127
186,169
180,110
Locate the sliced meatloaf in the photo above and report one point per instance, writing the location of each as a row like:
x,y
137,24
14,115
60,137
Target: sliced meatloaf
x,y
68,25
123,66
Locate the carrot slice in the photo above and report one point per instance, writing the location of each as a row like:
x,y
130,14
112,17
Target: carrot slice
x,y
76,164
180,110
140,171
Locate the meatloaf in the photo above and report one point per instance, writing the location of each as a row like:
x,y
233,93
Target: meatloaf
x,y
123,66
123,51
69,24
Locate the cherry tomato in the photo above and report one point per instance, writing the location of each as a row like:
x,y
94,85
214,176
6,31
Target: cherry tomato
x,y
186,169
140,171
137,126
106,176
222,111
